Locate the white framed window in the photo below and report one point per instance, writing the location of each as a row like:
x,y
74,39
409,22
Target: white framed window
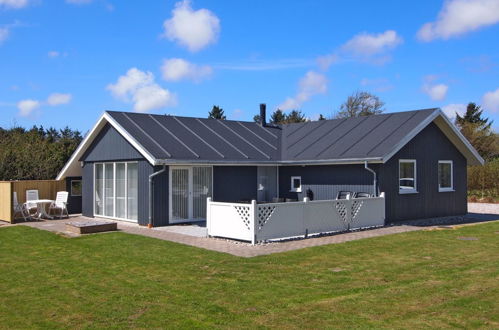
x,y
75,187
295,184
445,176
407,176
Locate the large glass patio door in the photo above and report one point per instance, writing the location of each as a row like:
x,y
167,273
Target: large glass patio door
x,y
189,188
115,190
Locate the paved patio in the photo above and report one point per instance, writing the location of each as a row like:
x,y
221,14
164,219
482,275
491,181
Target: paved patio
x,y
195,234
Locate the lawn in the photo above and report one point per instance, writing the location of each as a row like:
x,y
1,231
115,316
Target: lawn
x,y
412,280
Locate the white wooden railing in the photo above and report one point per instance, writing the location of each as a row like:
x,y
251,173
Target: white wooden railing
x,y
262,222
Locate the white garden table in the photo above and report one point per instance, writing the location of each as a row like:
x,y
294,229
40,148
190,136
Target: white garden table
x,y
41,211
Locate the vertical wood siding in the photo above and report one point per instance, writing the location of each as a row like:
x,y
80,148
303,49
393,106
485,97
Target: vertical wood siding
x,y
87,203
234,183
325,181
428,147
109,145
6,200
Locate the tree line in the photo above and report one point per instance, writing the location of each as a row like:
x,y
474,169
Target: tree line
x,y
358,104
36,153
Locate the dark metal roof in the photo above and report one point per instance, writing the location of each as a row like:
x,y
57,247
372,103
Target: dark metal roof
x,y
174,138
185,138
361,137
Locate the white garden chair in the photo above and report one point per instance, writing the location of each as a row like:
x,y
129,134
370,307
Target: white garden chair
x,y
60,204
20,209
31,195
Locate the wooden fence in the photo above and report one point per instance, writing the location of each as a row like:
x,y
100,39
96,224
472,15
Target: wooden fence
x,y
47,189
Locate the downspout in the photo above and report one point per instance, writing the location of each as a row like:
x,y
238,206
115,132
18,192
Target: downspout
x,y
374,175
151,184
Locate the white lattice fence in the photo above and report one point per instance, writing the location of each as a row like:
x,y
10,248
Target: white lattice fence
x,y
231,220
263,222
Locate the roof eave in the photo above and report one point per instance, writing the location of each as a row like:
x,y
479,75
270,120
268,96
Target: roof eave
x,y
472,156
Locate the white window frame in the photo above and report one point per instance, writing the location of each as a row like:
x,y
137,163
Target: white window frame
x,y
405,190
451,188
293,189
114,190
71,186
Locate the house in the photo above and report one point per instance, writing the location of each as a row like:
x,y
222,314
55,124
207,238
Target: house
x,y
159,170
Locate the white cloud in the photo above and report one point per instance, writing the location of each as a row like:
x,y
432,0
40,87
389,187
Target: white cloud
x,y
13,4
365,44
490,101
436,92
53,54
58,99
311,84
450,110
140,88
194,29
324,62
4,34
458,17
26,107
175,69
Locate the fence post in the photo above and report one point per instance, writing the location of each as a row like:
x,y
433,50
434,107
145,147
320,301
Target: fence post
x,y
253,213
348,205
304,216
208,216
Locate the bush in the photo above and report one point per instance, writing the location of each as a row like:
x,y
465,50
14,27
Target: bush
x,y
483,181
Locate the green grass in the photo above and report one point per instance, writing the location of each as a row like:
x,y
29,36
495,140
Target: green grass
x,y
412,280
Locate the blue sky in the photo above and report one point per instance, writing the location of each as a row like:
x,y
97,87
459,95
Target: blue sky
x,y
65,62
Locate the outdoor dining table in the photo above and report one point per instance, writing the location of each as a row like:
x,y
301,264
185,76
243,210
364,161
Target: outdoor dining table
x,y
41,211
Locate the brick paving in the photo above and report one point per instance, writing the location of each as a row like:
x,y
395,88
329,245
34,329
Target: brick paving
x,y
243,249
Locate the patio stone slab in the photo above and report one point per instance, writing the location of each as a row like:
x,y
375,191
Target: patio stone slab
x,y
193,237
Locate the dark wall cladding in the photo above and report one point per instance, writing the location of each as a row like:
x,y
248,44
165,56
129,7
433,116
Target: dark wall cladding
x,y
87,190
161,200
109,145
428,147
74,202
160,212
234,183
160,195
325,181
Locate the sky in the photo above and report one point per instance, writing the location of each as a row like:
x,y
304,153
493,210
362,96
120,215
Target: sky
x,y
64,62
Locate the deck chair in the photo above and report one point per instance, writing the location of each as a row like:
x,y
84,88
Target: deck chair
x,y
20,209
344,194
361,195
60,204
31,195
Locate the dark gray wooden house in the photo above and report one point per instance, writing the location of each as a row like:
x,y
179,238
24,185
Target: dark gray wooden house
x,y
158,170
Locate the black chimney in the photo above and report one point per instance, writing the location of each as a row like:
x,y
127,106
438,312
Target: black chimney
x,y
263,114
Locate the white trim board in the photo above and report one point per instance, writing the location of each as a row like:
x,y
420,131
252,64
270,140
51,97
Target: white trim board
x,y
73,168
452,133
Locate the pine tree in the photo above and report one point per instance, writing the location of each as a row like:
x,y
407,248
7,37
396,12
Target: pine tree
x,y
278,117
295,116
477,129
216,113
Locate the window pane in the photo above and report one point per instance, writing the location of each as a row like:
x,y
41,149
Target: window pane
x,y
120,191
132,191
75,187
444,175
201,185
109,190
296,183
406,175
180,194
99,189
